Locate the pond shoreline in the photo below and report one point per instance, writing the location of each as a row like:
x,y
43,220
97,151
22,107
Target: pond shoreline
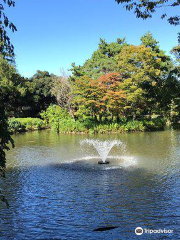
x,y
19,125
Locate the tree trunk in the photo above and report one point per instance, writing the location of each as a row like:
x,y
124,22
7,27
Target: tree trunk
x,y
150,113
100,118
134,116
95,117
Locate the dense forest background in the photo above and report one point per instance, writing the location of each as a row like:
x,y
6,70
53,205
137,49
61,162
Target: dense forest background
x,y
121,82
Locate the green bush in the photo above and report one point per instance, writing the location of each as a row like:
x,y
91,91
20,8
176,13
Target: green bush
x,y
154,124
16,126
26,124
133,126
61,121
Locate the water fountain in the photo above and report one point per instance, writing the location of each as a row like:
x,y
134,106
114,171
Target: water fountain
x,y
102,147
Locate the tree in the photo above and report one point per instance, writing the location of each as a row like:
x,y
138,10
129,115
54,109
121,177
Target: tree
x,y
61,90
140,70
176,52
145,9
86,98
174,88
103,60
5,135
101,98
12,85
6,47
77,72
167,83
40,86
113,99
5,140
149,41
7,52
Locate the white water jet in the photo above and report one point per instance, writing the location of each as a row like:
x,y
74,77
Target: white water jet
x,y
102,147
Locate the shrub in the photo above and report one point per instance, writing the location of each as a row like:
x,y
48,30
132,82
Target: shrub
x,y
26,124
133,126
15,125
61,121
154,124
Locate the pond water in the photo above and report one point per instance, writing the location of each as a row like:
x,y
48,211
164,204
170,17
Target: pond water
x,y
56,189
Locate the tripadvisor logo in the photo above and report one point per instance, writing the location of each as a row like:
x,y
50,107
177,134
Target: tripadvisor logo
x,y
139,231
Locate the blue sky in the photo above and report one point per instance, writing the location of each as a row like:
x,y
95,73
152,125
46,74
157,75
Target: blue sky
x,y
52,34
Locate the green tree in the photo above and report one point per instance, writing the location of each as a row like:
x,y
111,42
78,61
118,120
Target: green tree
x,y
5,134
141,73
166,62
103,60
13,86
166,85
77,72
56,117
176,52
7,52
40,86
6,47
145,9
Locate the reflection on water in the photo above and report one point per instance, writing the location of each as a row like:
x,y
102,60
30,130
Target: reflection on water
x,y
56,189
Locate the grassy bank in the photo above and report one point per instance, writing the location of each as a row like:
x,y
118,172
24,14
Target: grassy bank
x,y
86,126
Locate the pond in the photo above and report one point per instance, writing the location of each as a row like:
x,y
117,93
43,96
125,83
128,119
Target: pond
x,y
57,190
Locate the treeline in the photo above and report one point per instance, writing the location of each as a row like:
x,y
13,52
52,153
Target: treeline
x,y
122,80
121,87
32,95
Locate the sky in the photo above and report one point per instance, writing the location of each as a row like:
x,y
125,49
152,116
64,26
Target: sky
x,y
52,34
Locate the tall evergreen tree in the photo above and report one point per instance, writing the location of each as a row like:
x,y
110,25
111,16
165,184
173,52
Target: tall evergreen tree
x,y
103,60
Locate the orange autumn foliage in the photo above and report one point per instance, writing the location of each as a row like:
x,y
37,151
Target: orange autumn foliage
x,y
102,95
